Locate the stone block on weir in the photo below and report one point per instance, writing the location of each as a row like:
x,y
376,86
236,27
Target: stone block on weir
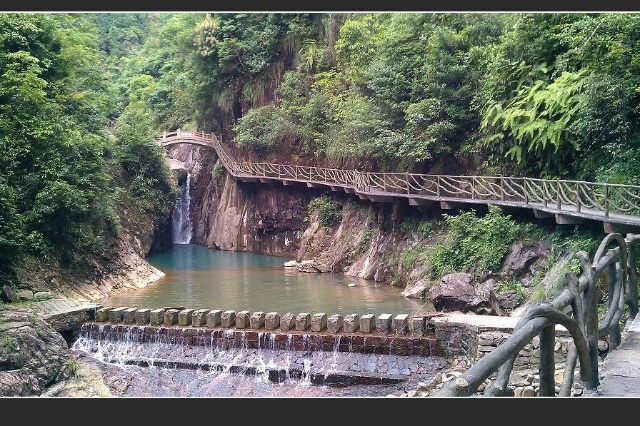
x,y
102,314
351,323
185,317
335,323
242,319
271,320
383,323
303,321
171,316
418,326
367,323
228,319
256,320
156,316
319,321
115,314
288,322
214,318
142,316
400,324
129,315
199,317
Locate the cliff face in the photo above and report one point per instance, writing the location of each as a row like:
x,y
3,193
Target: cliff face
x,y
274,219
365,242
120,267
241,216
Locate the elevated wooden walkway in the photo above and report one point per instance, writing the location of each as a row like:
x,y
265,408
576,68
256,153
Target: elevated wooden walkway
x,y
569,201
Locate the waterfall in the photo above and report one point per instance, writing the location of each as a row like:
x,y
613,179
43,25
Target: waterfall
x,y
182,229
202,362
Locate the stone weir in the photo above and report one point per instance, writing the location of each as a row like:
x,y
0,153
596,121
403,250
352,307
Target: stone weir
x,y
336,349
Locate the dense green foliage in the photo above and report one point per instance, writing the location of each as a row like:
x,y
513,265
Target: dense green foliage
x,y
83,95
475,243
59,199
327,209
478,243
541,95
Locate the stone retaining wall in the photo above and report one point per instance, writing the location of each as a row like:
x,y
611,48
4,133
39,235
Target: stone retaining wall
x,y
465,343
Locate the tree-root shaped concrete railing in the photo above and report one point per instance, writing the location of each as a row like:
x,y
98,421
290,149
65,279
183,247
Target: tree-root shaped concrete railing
x,y
611,203
576,308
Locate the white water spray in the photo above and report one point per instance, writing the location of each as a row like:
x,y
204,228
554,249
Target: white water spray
x,y
181,226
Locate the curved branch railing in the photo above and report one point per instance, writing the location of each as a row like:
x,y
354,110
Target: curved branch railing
x,y
615,266
615,203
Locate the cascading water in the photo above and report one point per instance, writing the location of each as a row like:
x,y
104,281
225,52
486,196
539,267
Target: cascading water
x,y
181,227
157,364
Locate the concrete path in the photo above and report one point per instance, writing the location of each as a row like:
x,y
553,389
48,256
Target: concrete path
x,y
620,371
52,307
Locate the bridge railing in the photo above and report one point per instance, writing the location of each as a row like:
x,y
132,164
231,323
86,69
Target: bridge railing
x,y
587,199
614,264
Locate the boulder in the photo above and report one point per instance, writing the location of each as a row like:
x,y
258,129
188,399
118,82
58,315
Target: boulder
x,y
524,260
311,266
33,355
24,295
457,292
8,295
416,290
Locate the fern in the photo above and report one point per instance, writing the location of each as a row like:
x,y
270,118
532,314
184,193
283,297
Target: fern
x,y
537,118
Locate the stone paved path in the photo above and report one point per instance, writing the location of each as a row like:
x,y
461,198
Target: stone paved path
x,y
620,372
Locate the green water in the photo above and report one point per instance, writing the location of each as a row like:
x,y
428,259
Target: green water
x,y
202,278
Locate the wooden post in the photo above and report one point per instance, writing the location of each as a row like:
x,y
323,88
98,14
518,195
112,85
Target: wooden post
x,y
578,196
406,177
473,188
547,363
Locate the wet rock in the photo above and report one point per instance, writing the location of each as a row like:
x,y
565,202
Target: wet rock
x,y
311,266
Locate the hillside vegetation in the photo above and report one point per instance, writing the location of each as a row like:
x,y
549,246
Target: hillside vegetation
x,y
550,95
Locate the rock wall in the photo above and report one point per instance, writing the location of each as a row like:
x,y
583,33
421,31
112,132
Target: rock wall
x,y
365,242
464,344
274,219
240,216
32,354
369,240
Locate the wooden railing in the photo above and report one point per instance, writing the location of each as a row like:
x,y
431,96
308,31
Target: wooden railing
x,y
614,265
615,203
